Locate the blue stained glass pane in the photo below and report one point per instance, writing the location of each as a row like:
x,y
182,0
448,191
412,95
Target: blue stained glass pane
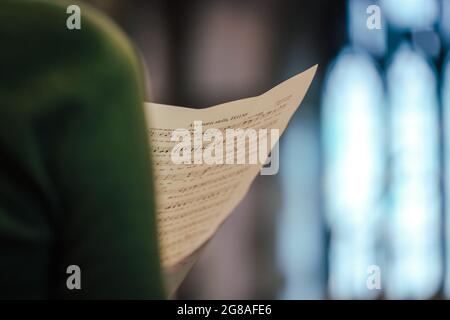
x,y
371,40
300,228
352,122
411,14
445,21
415,265
446,101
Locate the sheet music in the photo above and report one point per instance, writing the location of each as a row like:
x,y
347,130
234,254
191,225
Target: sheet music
x,y
194,199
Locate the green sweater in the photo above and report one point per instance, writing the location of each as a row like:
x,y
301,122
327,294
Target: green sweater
x,y
75,175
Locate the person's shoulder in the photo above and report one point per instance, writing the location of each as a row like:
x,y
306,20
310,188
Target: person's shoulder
x,y
67,47
44,30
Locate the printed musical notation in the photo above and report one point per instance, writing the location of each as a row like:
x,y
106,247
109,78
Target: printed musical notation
x,y
194,199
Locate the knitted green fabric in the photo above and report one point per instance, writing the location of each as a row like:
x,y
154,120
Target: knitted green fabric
x,y
75,175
